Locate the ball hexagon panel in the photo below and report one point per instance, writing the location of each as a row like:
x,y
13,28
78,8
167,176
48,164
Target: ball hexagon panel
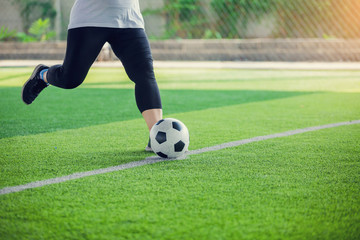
x,y
163,125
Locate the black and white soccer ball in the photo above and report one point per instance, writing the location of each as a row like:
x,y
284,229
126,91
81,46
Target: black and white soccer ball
x,y
169,138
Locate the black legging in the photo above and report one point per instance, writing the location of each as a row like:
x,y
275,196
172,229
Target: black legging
x,y
130,45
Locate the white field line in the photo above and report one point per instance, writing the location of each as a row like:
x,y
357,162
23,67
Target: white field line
x,y
155,159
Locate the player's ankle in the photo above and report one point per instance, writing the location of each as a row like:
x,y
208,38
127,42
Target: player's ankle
x,y
43,75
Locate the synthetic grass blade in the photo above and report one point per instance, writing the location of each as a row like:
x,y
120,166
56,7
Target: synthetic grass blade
x,y
155,159
276,135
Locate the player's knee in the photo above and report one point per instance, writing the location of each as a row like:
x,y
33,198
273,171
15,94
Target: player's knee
x,y
143,74
67,78
72,81
71,85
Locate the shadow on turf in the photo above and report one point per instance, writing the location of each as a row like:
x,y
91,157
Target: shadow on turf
x,y
58,109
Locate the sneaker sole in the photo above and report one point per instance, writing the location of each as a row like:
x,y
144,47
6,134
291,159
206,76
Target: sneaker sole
x,y
148,149
31,77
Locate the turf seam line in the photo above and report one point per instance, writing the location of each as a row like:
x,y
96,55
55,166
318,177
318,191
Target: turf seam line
x,y
155,159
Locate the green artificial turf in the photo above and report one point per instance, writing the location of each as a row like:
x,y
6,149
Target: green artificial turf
x,y
304,186
58,109
300,187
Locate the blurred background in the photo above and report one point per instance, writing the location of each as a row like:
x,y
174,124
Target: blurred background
x,y
206,30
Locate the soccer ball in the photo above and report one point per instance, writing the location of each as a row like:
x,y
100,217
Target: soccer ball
x,y
169,138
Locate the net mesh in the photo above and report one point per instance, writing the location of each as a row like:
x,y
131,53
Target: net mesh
x,y
254,18
255,30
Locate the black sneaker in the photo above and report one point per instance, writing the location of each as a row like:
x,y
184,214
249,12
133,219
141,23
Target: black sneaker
x,y
34,85
148,147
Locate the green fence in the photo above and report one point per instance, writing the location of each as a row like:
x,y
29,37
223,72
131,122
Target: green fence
x,y
211,19
253,30
259,18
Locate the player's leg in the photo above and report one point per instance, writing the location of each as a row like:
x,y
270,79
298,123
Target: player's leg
x,y
152,116
132,47
83,46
